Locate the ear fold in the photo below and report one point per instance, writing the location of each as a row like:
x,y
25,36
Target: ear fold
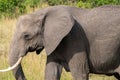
x,y
58,24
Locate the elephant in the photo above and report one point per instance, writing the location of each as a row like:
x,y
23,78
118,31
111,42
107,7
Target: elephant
x,y
82,41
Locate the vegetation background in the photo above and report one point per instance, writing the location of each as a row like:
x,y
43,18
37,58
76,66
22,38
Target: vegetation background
x,y
33,64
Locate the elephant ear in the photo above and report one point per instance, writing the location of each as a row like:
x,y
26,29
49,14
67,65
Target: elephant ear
x,y
57,25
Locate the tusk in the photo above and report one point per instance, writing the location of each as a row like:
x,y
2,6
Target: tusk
x,y
12,67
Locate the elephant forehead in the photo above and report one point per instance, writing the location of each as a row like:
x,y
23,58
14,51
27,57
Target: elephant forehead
x,y
25,21
24,27
27,26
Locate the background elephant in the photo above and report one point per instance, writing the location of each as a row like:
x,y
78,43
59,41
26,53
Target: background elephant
x,y
82,41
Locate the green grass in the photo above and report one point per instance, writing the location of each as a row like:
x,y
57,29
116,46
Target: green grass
x,y
33,65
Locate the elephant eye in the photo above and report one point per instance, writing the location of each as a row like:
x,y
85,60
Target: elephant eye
x,y
27,37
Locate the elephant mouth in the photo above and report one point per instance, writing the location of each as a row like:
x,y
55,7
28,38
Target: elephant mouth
x,y
37,49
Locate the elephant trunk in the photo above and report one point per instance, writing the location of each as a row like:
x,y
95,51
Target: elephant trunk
x,y
14,57
18,73
15,64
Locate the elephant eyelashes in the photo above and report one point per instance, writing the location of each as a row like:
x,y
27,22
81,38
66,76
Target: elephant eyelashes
x,y
27,37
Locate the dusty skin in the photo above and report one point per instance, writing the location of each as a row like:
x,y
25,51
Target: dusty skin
x,y
81,41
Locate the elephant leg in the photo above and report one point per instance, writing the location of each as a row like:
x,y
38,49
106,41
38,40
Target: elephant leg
x,y
79,66
117,74
19,75
53,70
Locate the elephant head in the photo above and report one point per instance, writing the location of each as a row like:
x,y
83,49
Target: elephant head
x,y
42,29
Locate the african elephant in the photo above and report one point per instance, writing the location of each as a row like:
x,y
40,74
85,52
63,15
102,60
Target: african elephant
x,y
82,41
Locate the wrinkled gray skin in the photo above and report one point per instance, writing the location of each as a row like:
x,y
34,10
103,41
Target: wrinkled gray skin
x,y
82,41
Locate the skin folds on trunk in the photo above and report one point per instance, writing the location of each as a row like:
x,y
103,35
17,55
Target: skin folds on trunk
x,y
18,72
13,58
